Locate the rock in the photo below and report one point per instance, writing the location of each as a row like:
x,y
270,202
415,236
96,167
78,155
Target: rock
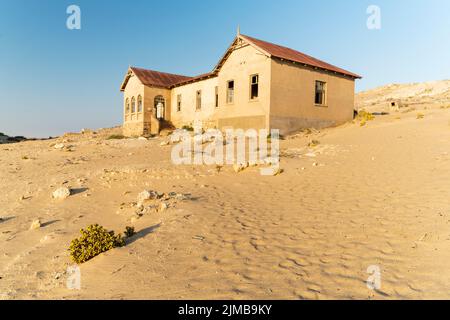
x,y
35,225
61,193
163,206
164,143
315,164
277,172
59,146
142,138
147,195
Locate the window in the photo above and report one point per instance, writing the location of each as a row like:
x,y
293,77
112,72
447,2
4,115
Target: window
x,y
159,107
179,102
254,86
230,91
217,96
320,96
127,105
198,105
133,105
139,104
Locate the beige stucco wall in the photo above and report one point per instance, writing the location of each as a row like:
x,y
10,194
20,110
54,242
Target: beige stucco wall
x,y
133,123
293,93
244,113
138,123
188,112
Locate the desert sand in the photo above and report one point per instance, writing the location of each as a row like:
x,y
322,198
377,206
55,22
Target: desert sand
x,y
376,194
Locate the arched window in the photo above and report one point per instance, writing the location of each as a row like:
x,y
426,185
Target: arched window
x,y
139,104
127,105
133,105
159,107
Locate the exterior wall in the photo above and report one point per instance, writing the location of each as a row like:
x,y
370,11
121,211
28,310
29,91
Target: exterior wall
x,y
244,113
293,97
188,112
139,123
133,123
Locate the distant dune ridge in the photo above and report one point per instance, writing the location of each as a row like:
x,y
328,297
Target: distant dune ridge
x,y
434,93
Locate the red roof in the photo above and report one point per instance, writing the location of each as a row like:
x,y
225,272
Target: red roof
x,y
296,56
158,79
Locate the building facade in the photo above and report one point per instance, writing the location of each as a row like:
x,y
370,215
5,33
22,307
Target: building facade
x,y
256,85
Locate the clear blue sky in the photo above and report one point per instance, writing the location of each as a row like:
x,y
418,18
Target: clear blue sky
x,y
54,80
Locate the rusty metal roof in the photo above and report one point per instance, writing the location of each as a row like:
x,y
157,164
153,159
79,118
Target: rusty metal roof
x,y
281,52
158,79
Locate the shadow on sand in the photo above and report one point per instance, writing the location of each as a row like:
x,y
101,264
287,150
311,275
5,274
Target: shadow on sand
x,y
142,233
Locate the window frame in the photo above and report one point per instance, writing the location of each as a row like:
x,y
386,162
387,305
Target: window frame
x,y
228,92
140,106
216,96
179,97
127,106
255,98
323,93
198,100
133,105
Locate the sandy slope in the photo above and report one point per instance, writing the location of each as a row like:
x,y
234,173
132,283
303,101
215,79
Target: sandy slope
x,y
379,196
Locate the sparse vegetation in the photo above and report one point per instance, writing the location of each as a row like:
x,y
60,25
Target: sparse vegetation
x,y
115,137
420,116
364,116
129,232
93,241
313,143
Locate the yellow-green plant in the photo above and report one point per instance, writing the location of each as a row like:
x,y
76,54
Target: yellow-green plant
x,y
129,232
94,240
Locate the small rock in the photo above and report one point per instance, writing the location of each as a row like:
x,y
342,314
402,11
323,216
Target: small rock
x,y
61,193
35,225
142,138
163,206
164,143
59,146
315,164
238,167
147,195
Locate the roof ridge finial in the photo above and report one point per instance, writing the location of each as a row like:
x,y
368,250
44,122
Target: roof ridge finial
x,y
238,30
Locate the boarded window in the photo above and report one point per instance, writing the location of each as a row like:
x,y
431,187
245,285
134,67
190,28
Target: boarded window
x,y
320,96
198,105
139,104
133,105
230,91
179,102
254,79
217,96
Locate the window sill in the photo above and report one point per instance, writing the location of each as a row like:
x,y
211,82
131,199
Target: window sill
x,y
321,105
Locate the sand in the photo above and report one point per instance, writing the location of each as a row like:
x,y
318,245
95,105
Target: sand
x,y
377,194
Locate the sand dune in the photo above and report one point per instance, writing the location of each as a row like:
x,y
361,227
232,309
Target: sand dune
x,y
366,195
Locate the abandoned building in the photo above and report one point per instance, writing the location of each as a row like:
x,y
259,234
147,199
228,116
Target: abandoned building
x,y
256,84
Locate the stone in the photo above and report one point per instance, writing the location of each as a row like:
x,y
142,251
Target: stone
x,y
147,195
142,138
35,225
164,143
59,146
237,167
315,164
163,206
61,193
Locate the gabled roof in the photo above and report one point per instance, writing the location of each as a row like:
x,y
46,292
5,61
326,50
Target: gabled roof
x,y
169,80
154,78
285,53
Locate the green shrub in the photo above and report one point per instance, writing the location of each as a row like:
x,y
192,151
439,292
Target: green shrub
x,y
115,137
129,232
93,241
